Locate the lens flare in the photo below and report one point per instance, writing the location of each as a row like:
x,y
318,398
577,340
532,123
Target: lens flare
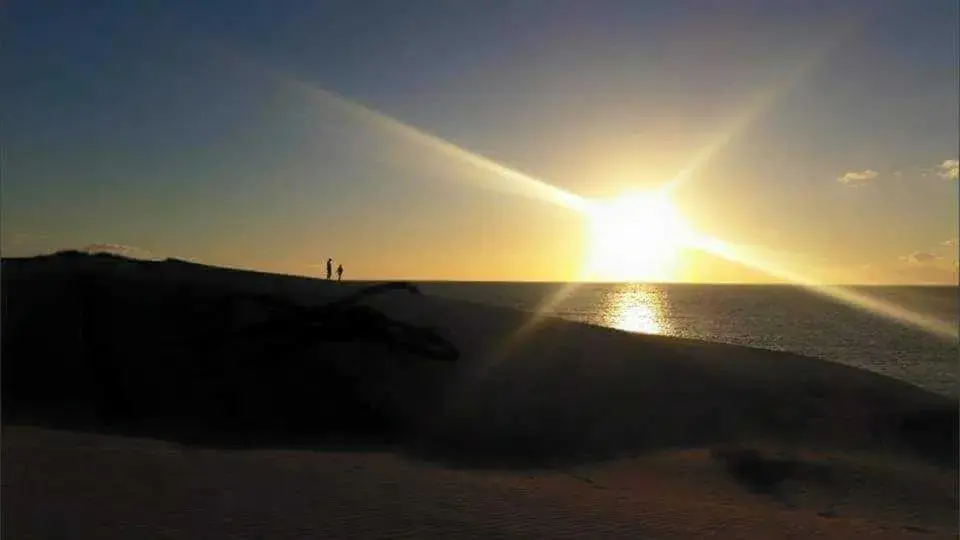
x,y
845,295
510,180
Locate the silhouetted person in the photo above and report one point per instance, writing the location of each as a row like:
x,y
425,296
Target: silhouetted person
x,y
339,272
329,268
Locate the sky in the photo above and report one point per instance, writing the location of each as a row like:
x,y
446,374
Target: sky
x,y
429,139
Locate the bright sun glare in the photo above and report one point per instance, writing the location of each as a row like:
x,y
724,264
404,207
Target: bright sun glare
x,y
635,237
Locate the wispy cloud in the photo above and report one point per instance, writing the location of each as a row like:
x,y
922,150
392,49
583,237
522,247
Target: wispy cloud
x,y
949,169
953,242
120,249
858,178
916,268
920,267
921,258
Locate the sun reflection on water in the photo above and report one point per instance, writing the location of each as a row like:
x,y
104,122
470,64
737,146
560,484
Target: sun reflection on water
x,y
636,308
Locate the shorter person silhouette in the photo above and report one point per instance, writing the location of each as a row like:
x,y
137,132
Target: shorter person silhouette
x,y
339,272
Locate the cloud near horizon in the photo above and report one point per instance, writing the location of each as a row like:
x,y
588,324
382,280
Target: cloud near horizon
x,y
921,258
858,178
953,242
120,249
919,267
949,169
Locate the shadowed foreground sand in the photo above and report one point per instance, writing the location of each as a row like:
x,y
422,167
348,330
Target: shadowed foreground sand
x,y
65,485
563,431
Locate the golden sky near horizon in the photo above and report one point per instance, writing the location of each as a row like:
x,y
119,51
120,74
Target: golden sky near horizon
x,y
657,143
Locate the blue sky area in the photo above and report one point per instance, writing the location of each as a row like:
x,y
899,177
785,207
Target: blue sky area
x,y
204,130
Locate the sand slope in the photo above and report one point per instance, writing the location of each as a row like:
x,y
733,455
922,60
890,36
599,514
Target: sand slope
x,y
64,485
555,429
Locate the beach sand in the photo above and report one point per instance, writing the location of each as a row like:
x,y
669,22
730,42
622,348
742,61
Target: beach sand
x,y
67,485
547,430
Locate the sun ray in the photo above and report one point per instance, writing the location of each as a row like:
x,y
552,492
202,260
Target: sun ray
x,y
520,182
844,295
517,182
510,180
544,310
758,106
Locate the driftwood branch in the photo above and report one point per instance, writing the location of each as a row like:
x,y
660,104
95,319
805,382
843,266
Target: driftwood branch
x,y
345,320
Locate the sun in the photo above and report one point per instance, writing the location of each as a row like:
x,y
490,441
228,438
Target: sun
x,y
635,237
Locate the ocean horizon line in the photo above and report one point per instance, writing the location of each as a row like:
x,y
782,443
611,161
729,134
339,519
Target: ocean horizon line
x,y
492,281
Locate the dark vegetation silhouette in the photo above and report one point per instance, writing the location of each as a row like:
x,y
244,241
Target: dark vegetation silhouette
x,y
102,342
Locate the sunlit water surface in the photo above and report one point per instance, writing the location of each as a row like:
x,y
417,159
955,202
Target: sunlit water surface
x,y
772,317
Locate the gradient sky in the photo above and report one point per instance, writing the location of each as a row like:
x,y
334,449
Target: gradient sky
x,y
202,130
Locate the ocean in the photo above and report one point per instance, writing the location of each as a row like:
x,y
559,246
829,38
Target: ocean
x,y
774,317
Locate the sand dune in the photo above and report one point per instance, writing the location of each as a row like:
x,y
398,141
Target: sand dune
x,y
66,485
562,430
